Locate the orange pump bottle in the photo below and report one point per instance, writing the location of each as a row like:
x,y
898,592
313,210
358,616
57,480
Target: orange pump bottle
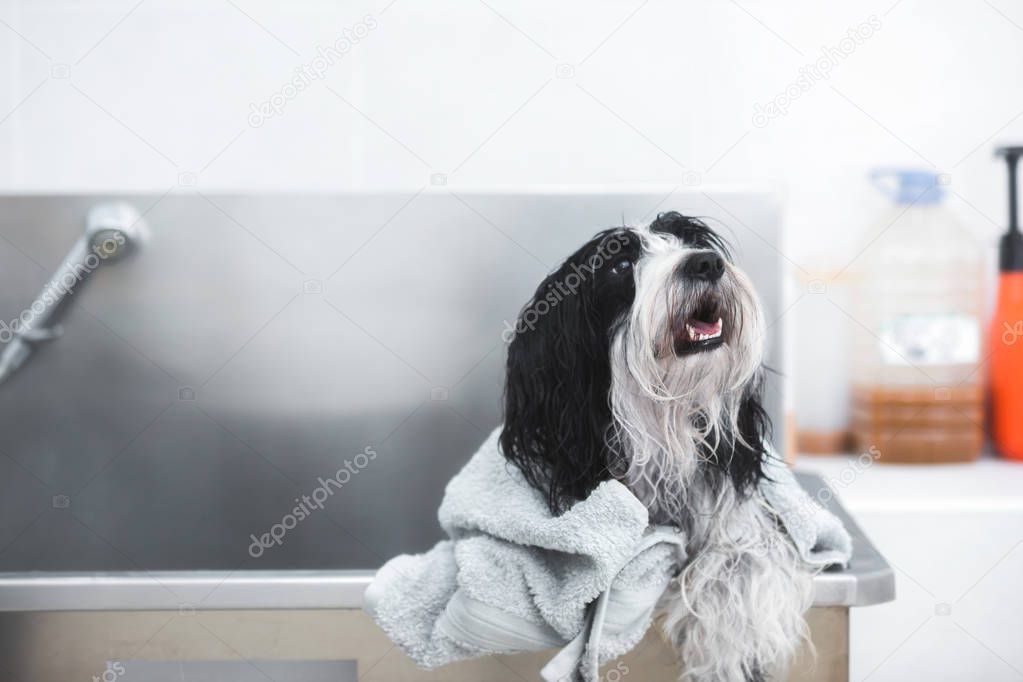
x,y
1006,338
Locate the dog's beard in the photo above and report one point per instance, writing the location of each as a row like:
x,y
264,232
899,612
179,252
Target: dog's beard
x,y
676,406
671,408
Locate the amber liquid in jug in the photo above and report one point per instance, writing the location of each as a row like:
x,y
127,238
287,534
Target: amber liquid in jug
x,y
917,389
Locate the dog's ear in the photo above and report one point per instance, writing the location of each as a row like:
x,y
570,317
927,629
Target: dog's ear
x,y
557,413
745,451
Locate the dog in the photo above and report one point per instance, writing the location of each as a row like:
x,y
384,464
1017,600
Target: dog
x,y
640,359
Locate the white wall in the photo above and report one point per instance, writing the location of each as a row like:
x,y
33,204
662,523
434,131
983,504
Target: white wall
x,y
659,91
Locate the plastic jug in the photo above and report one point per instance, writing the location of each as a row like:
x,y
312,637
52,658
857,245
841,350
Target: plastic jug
x,y
918,292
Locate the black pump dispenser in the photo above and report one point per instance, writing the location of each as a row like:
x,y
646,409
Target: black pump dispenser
x,y
1010,250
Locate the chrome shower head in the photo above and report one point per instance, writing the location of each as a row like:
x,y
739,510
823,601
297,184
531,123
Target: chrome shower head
x,y
114,229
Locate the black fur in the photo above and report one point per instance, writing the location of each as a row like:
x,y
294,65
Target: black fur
x,y
556,410
557,415
741,459
691,231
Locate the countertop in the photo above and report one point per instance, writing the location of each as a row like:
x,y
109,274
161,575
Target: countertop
x,y
989,484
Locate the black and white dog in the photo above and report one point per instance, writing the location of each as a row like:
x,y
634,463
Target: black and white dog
x,y
640,358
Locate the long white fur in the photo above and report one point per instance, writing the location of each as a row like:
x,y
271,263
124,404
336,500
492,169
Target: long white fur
x,y
737,607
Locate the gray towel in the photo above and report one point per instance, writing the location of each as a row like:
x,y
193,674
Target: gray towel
x,y
818,534
513,577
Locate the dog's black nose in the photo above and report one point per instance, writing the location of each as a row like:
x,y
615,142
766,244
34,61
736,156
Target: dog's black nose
x,y
705,265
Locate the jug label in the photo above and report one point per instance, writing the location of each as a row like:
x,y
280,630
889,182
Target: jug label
x,y
930,339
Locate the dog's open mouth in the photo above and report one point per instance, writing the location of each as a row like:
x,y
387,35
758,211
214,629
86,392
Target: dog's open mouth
x,y
702,329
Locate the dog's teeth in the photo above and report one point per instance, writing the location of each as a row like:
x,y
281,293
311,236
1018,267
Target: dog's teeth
x,y
695,336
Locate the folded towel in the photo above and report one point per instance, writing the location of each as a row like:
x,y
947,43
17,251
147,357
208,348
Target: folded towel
x,y
818,535
513,577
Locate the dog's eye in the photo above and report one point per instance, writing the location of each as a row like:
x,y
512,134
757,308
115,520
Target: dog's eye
x,y
622,266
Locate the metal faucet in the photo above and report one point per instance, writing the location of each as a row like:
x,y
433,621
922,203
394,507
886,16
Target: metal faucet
x,y
112,230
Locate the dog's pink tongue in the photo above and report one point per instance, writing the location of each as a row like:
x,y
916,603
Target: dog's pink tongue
x,y
705,327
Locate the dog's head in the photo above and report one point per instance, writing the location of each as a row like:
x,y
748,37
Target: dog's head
x,y
639,358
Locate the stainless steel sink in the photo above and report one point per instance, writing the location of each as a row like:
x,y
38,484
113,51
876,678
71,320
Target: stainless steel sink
x,y
256,607
251,351
868,580
256,343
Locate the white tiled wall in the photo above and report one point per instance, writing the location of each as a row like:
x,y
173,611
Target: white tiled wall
x,y
471,89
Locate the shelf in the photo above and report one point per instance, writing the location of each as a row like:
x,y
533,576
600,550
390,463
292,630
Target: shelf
x,y
866,486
